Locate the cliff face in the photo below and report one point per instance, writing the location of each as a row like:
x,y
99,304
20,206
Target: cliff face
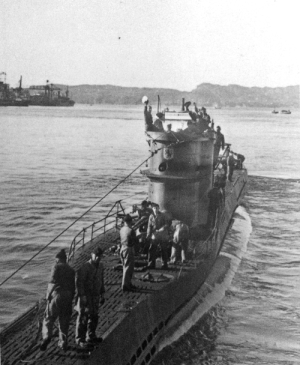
x,y
205,94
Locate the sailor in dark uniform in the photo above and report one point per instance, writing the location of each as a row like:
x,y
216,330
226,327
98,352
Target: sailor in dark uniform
x,y
60,294
148,118
90,294
240,159
158,233
220,142
127,252
158,124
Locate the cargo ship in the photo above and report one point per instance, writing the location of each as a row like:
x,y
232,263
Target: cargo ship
x,y
182,170
10,96
49,95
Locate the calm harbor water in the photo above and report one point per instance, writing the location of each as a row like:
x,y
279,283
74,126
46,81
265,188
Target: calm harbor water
x,y
57,162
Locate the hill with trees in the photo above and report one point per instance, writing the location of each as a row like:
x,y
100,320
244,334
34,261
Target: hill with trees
x,y
205,94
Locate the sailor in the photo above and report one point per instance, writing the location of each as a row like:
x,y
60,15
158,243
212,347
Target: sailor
x,y
143,215
180,242
157,232
205,116
196,108
159,122
215,200
59,297
220,142
148,115
142,223
187,105
240,160
89,293
191,128
128,240
169,128
193,116
201,124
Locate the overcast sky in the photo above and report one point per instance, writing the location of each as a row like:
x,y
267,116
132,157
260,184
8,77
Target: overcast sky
x,y
151,43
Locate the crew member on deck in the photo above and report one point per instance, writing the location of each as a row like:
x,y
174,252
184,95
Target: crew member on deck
x,y
158,234
201,124
159,122
128,240
240,160
60,294
191,128
143,215
187,105
148,118
180,242
149,127
220,142
205,116
90,293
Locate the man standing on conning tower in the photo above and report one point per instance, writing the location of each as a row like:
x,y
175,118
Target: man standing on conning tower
x,y
220,142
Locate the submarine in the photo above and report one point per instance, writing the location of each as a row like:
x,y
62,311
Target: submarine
x,y
182,171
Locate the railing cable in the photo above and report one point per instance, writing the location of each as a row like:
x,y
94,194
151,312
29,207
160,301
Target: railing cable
x,y
60,234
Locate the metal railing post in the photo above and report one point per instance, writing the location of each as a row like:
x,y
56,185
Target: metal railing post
x,y
83,236
74,246
118,209
92,231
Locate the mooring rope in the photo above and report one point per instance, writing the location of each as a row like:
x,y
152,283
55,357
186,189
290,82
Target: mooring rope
x,y
76,220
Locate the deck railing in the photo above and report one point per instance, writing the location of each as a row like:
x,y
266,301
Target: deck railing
x,y
102,226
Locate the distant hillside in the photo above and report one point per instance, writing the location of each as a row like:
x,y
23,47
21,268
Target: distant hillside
x,y
205,94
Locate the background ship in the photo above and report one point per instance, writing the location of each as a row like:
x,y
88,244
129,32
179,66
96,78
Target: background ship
x,y
10,96
133,324
49,95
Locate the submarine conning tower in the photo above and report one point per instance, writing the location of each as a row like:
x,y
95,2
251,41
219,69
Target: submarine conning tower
x,y
180,172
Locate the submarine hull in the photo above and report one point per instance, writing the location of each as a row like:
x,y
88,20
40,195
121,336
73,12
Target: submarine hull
x,y
132,324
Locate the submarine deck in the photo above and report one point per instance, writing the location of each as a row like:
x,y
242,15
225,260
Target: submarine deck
x,y
20,340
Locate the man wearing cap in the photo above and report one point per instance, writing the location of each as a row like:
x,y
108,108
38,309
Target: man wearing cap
x,y
128,240
59,297
205,116
220,142
180,241
144,213
158,233
90,290
148,117
159,122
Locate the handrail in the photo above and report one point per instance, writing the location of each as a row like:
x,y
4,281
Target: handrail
x,y
76,220
93,227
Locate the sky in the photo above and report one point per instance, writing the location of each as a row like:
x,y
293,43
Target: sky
x,y
176,44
